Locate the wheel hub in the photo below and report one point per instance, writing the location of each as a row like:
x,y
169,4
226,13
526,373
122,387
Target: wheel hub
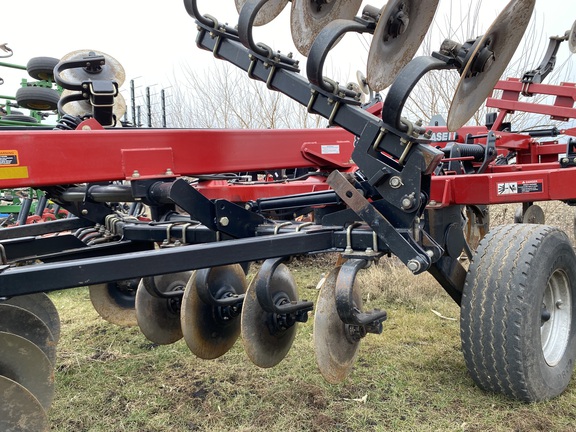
x,y
556,317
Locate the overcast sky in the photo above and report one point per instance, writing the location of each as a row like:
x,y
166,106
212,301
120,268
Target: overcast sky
x,y
153,40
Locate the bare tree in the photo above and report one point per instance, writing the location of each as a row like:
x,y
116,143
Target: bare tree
x,y
224,97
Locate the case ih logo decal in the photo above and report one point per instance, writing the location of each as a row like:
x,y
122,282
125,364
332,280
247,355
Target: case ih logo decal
x,y
443,136
520,187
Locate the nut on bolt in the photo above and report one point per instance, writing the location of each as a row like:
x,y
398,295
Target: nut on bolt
x,y
407,203
395,182
224,221
413,265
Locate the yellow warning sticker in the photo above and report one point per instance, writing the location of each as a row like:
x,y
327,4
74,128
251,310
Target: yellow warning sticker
x,y
7,172
9,158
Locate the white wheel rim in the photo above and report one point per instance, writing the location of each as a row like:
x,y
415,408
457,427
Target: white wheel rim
x,y
555,331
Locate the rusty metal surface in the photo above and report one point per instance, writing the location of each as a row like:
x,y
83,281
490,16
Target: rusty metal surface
x,y
112,70
159,318
83,107
41,306
572,38
20,411
109,309
335,352
307,19
268,12
388,54
19,321
264,348
208,335
25,363
503,38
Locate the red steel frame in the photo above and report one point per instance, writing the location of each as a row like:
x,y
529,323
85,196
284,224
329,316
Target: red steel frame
x,y
91,154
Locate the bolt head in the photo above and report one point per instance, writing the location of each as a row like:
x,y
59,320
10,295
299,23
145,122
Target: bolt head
x,y
395,182
407,203
413,266
224,221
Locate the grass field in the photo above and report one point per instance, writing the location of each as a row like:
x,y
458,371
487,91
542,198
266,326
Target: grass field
x,y
410,378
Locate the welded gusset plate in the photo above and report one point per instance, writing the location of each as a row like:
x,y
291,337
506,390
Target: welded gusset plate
x,y
483,70
335,351
264,343
158,317
211,330
19,321
115,301
402,26
41,306
20,411
25,363
112,69
308,18
269,11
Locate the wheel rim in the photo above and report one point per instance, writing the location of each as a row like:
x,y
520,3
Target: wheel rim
x,y
556,317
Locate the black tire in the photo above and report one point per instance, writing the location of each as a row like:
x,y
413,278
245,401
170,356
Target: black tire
x,y
37,98
19,118
521,275
42,68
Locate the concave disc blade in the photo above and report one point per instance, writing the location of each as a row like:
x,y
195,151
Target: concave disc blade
x,y
572,39
41,306
207,333
503,37
266,349
25,363
534,215
392,48
82,107
20,411
115,301
269,11
335,353
112,69
19,321
308,18
159,318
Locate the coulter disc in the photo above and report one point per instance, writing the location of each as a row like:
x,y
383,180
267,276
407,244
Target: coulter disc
x,y
159,317
572,39
211,330
308,18
25,363
19,321
268,12
112,70
115,301
265,346
502,39
402,26
83,108
335,351
20,411
534,215
41,306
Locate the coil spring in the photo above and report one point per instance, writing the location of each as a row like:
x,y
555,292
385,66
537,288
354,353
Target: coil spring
x,y
68,122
